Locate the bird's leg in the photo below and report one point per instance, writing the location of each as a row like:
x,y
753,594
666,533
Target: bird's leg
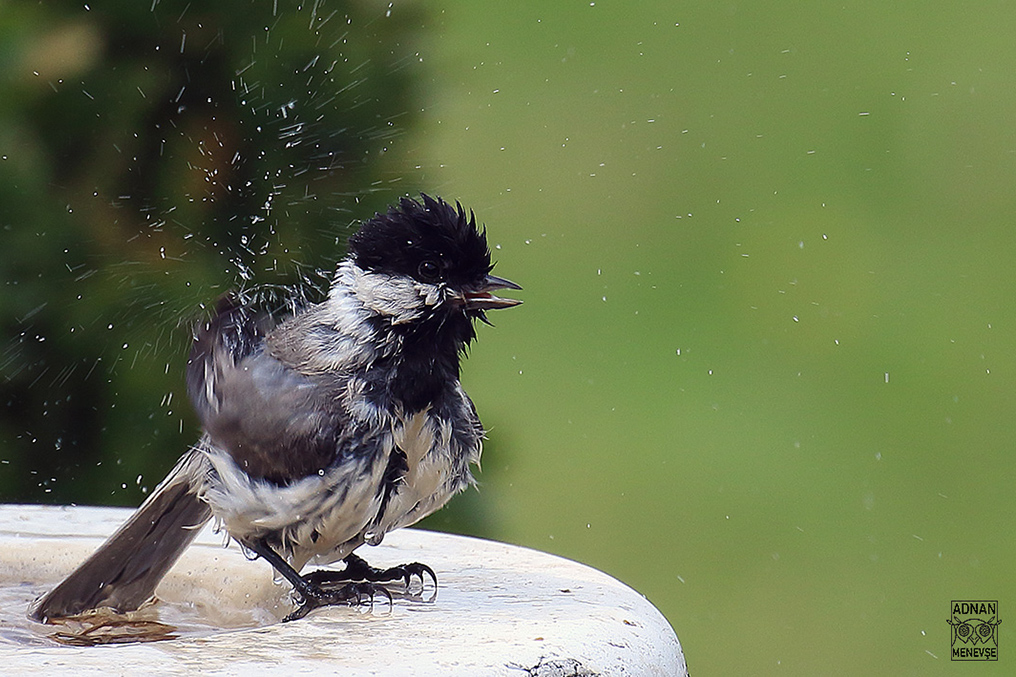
x,y
310,591
357,569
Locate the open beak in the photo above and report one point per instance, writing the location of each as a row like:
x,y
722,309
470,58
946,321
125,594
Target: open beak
x,y
481,298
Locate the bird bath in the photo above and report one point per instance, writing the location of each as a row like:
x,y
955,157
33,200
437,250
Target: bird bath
x,y
499,610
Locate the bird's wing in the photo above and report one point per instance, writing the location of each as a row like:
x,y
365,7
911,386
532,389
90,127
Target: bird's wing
x,y
276,422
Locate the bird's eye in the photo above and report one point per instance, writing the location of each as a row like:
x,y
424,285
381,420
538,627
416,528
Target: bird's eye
x,y
429,271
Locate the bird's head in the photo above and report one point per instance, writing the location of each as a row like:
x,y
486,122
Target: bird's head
x,y
426,261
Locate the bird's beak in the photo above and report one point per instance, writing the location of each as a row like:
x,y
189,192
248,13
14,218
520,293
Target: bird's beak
x,y
481,298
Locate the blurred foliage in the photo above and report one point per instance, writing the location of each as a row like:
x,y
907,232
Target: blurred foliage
x,y
153,156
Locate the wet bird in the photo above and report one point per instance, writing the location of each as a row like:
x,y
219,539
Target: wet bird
x,y
325,430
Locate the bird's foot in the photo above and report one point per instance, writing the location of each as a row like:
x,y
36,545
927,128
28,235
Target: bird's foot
x,y
354,594
358,584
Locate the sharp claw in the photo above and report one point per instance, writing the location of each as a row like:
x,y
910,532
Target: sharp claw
x,y
391,601
431,573
419,570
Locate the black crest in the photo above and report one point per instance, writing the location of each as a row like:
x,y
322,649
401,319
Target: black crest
x,y
429,240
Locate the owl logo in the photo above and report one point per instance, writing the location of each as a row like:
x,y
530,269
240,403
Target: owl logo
x,y
974,631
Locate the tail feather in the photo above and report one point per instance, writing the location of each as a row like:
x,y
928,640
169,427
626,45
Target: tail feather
x,y
124,572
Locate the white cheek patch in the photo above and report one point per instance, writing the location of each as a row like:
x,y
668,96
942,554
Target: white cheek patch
x,y
402,299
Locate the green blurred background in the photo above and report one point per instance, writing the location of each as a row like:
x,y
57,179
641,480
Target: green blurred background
x,y
763,369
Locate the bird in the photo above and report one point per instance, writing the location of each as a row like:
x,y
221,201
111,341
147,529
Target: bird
x,y
324,429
